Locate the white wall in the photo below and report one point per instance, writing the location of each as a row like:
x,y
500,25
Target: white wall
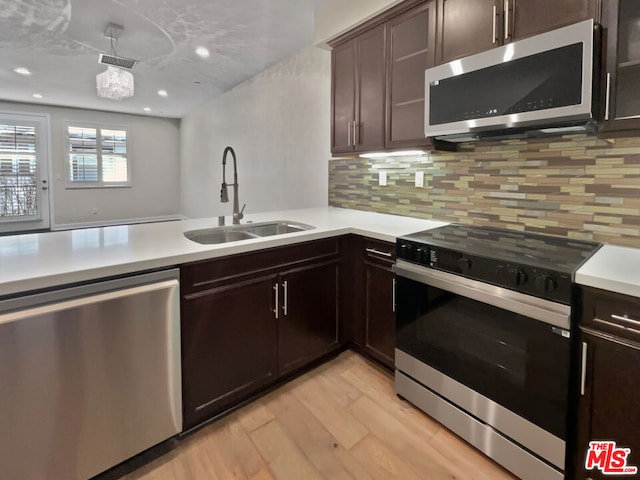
x,y
278,124
154,155
334,17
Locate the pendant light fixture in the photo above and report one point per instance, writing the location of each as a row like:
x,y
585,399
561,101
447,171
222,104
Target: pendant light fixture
x,y
115,83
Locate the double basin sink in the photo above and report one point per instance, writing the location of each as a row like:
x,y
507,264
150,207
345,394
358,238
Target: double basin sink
x,y
236,233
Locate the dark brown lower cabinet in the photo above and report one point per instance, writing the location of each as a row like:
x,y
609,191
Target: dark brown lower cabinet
x,y
249,319
380,324
610,407
371,293
230,341
309,315
609,397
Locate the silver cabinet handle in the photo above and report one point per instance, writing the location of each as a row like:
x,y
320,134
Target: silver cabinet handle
x,y
356,139
626,320
495,15
276,288
378,252
607,97
349,134
393,293
506,20
285,300
583,373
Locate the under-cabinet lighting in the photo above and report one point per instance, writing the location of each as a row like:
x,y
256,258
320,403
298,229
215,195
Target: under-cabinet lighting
x,y
22,71
402,153
163,93
147,109
37,95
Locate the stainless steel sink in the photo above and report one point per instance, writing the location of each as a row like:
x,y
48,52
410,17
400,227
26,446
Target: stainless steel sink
x,y
248,231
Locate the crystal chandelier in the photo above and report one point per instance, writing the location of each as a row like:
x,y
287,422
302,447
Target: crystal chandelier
x,y
114,83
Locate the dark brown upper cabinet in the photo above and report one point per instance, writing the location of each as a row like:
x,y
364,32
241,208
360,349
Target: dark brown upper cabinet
x,y
411,41
378,80
358,78
621,19
473,26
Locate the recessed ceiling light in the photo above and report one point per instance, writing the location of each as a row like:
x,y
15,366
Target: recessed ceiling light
x,y
37,95
146,109
163,93
203,52
22,71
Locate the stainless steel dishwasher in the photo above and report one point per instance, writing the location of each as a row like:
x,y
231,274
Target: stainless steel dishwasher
x,y
89,376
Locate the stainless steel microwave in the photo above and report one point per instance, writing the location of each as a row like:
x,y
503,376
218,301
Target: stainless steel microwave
x,y
542,83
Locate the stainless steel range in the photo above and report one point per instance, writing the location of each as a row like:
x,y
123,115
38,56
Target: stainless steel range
x,y
483,339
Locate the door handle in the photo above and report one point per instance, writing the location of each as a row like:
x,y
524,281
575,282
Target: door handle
x,y
506,19
378,252
285,299
583,366
276,288
393,295
607,97
495,14
349,134
356,131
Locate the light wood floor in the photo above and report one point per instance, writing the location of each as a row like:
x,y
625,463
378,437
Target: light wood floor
x,y
340,421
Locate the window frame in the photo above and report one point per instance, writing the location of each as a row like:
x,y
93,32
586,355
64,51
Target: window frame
x,y
69,184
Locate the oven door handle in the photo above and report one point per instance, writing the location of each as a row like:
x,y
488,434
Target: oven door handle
x,y
545,311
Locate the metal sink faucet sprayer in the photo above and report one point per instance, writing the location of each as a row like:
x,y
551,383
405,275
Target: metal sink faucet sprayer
x,y
224,195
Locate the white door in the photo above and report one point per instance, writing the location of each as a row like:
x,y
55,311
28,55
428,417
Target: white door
x,y
24,172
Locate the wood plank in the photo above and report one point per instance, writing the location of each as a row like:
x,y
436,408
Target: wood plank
x,y
381,462
396,436
315,441
342,425
285,459
378,386
254,416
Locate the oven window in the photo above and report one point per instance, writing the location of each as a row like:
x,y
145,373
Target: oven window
x,y
515,361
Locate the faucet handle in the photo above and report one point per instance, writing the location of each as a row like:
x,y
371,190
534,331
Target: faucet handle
x,y
242,210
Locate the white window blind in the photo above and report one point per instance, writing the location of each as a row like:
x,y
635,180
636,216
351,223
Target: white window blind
x,y
98,157
18,171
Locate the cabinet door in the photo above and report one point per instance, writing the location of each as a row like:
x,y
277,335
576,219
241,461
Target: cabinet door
x,y
308,315
609,410
343,84
531,17
468,27
411,41
370,73
621,20
380,313
229,346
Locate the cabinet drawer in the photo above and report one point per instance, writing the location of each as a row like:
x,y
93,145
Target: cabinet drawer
x,y
377,251
210,273
612,313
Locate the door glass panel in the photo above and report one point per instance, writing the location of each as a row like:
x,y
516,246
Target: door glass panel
x,y
24,187
628,100
18,172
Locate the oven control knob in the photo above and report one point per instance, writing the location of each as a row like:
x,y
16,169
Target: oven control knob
x,y
465,264
422,255
405,251
521,277
545,284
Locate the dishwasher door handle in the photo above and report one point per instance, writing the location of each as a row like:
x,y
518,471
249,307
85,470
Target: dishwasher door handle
x,y
83,301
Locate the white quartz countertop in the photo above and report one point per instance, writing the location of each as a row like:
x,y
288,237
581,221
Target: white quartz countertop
x,y
44,260
612,268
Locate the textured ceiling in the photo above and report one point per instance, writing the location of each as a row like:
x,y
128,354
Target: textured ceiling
x,y
59,42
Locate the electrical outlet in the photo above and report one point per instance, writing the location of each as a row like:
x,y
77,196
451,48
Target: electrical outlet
x,y
382,178
419,179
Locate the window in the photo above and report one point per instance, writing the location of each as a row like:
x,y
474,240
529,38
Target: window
x,y
97,157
